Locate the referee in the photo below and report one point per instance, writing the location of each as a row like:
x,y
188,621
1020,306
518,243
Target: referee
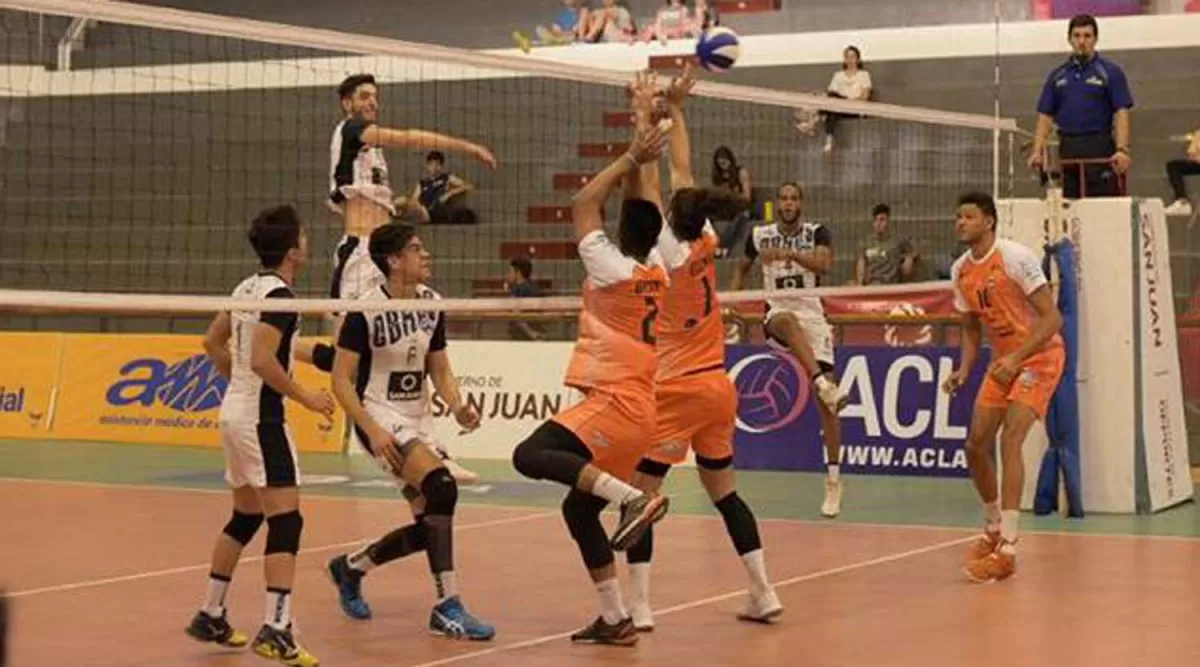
x,y
1088,98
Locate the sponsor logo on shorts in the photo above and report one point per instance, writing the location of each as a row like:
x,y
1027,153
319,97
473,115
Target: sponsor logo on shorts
x,y
190,385
772,392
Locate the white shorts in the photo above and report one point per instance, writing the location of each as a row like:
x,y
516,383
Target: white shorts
x,y
817,332
408,430
259,454
354,274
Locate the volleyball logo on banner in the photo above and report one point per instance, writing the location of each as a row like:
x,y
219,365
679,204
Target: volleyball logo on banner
x,y
772,391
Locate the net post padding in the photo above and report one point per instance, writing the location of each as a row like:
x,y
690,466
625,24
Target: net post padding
x,y
48,302
163,18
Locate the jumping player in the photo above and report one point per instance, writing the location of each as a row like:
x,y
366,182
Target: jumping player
x,y
696,401
1000,283
260,456
361,193
594,446
796,254
379,375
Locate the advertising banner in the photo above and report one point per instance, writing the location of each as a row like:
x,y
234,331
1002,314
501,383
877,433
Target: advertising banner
x,y
27,383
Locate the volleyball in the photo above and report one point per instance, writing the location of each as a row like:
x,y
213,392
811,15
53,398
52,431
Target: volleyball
x,y
718,49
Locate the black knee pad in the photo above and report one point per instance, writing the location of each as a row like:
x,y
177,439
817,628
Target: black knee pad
x,y
441,493
582,514
739,523
714,464
653,468
242,527
552,452
283,533
322,356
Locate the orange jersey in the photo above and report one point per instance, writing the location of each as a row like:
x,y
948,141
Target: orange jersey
x,y
997,288
691,335
617,326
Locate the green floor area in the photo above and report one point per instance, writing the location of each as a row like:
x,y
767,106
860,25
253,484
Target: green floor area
x,y
782,495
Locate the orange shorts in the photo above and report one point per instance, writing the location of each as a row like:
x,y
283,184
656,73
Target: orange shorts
x,y
614,427
696,411
1034,385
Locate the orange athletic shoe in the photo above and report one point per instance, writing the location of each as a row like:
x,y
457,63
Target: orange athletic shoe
x,y
983,546
996,566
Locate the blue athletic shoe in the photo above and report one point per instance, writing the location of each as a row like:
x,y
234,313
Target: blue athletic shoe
x,y
349,585
450,618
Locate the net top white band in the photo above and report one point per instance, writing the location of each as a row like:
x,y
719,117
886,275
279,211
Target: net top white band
x,y
168,304
163,18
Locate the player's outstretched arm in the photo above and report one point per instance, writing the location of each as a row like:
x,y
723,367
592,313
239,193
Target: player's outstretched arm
x,y
264,361
681,146
216,344
425,140
644,183
586,205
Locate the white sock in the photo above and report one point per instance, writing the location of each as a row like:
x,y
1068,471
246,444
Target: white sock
x,y
214,600
614,490
756,567
835,472
610,601
639,583
993,514
360,561
279,609
1008,526
447,585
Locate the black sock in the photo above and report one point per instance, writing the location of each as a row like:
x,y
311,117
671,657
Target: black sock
x,y
643,549
398,544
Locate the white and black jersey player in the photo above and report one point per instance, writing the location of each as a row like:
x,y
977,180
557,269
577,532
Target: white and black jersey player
x,y
257,351
379,373
795,254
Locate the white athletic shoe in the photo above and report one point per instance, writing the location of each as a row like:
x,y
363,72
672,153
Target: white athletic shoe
x,y
829,394
459,473
1179,207
833,498
761,607
642,617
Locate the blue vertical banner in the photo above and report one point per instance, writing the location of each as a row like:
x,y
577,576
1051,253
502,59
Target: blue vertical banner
x,y
897,422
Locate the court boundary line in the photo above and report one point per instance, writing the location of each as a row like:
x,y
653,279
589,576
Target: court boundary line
x,y
832,523
693,604
154,574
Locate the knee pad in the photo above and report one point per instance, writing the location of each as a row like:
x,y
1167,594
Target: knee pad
x,y
322,356
739,523
714,464
283,533
582,514
242,527
654,468
441,493
524,457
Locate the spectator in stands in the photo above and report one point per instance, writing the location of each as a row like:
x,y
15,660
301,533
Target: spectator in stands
x,y
612,23
1177,170
706,16
733,178
520,285
673,21
437,197
570,25
885,258
852,82
1088,98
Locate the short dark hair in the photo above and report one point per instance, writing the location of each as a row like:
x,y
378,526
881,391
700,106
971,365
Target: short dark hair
x,y
435,156
881,209
388,240
640,225
790,184
1083,21
351,83
273,233
691,208
981,199
522,265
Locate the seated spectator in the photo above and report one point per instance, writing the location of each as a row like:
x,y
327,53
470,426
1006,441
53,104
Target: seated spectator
x,y
1177,170
570,25
705,16
611,23
884,258
733,178
520,285
437,197
852,82
673,21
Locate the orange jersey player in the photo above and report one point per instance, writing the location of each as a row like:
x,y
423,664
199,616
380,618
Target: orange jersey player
x,y
593,446
696,401
999,283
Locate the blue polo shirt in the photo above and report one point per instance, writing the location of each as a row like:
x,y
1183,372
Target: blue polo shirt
x,y
1082,98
